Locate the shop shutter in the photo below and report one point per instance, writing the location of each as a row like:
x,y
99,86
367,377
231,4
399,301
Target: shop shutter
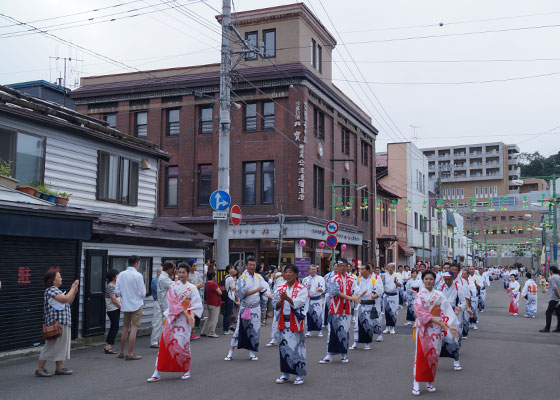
x,y
23,263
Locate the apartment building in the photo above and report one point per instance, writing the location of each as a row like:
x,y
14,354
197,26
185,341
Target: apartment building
x,y
478,171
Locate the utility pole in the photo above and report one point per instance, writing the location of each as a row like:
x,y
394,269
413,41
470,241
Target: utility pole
x,y
222,226
440,216
280,239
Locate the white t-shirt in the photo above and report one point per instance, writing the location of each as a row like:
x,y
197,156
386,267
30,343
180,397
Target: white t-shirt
x,y
230,287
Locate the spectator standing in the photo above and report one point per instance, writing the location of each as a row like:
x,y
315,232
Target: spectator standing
x,y
56,307
113,308
130,285
230,287
157,317
553,299
214,303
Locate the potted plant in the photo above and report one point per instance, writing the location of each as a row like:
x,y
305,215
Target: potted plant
x,y
62,198
30,189
43,190
52,196
6,175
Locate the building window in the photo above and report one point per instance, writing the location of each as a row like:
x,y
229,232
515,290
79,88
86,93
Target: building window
x,y
318,188
366,150
269,37
415,220
267,192
111,119
385,213
204,184
120,263
313,53
318,123
319,58
462,193
25,153
486,191
345,195
173,122
495,190
250,120
345,141
141,124
503,218
390,255
250,183
117,179
206,120
476,192
268,115
171,185
364,205
252,38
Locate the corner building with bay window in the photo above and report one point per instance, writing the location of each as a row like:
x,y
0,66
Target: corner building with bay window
x,y
293,134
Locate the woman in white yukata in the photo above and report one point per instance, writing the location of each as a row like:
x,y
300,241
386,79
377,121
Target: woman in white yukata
x,y
412,288
434,316
290,302
513,293
529,291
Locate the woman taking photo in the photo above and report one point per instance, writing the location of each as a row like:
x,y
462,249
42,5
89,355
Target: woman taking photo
x,y
174,354
434,316
56,309
113,307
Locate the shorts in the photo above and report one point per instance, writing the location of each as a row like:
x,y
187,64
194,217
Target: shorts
x,y
134,317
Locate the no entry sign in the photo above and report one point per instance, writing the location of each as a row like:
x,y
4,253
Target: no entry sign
x,y
235,215
332,241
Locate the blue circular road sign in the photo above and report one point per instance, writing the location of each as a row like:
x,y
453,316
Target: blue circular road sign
x,y
332,241
220,200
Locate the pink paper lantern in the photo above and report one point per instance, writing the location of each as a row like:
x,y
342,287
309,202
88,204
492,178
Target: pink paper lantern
x,y
343,247
302,242
321,244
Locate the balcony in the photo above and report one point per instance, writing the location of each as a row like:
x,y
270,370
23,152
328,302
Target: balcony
x,y
460,175
513,161
444,155
460,165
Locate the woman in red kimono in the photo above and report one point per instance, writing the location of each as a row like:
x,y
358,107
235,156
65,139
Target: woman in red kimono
x,y
434,316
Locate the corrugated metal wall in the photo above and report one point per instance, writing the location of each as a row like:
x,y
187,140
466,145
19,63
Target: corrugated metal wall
x,y
23,263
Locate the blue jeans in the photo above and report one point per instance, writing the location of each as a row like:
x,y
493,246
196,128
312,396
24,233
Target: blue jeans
x,y
228,310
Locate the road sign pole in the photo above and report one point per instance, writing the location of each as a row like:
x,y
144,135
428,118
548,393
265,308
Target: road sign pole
x,y
333,215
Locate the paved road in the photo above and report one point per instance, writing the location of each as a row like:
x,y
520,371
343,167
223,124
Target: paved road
x,y
505,359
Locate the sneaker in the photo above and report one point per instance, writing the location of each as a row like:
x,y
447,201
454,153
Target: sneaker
x,y
228,333
228,358
121,355
43,373
132,357
475,327
63,371
457,367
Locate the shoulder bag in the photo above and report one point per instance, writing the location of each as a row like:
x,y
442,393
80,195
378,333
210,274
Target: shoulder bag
x,y
52,331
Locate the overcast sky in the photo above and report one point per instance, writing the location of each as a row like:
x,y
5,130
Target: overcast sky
x,y
460,88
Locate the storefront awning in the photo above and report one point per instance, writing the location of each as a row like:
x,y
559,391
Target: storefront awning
x,y
406,250
387,238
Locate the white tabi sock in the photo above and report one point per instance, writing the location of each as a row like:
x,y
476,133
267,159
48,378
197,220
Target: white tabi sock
x,y
156,373
251,354
230,354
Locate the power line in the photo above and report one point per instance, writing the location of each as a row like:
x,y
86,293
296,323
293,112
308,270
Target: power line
x,y
452,83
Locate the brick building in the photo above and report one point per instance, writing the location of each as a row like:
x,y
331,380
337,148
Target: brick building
x,y
293,133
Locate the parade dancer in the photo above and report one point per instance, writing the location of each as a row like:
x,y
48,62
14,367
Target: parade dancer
x,y
485,277
463,286
390,298
513,293
341,288
327,277
184,303
279,280
412,288
400,290
451,345
435,316
476,284
290,302
316,287
368,322
250,287
530,293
